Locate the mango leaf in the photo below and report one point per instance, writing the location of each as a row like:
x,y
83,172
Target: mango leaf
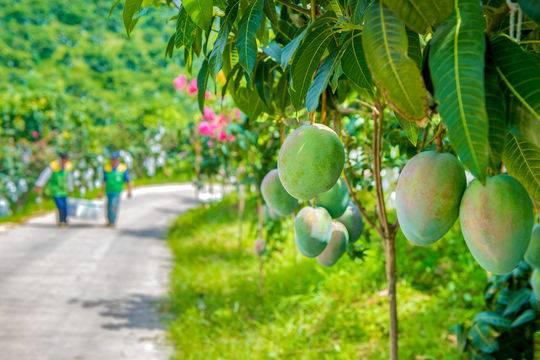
x,y
202,81
519,70
131,7
273,50
525,122
484,338
492,318
421,15
358,8
525,317
414,51
200,11
247,31
185,28
248,101
456,61
531,8
522,160
411,130
396,75
496,111
307,57
288,50
113,6
321,82
517,300
226,22
170,46
334,6
354,63
263,80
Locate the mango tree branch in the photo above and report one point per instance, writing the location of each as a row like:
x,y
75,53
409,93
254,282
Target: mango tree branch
x,y
362,209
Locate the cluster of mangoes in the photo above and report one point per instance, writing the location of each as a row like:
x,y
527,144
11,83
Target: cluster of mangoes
x,y
310,163
496,217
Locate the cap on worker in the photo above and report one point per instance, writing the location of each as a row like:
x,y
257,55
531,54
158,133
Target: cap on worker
x,y
115,155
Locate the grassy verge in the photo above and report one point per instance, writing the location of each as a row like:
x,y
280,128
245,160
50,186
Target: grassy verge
x,y
306,311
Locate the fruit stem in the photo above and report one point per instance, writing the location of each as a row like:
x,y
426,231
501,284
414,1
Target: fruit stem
x,y
389,231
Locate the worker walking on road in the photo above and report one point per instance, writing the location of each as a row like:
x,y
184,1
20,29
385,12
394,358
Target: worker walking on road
x,y
60,184
115,175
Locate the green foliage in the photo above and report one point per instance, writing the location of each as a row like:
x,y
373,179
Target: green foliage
x,y
518,69
523,162
421,15
74,82
505,329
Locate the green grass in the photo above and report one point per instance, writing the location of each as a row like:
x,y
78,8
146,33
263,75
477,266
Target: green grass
x,y
306,311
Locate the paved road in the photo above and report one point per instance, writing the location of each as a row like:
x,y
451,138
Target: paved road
x,y
89,292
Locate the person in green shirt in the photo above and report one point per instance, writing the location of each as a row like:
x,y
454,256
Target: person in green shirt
x,y
60,183
115,175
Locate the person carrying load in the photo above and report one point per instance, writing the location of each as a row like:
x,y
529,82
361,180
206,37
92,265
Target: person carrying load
x,y
60,184
115,175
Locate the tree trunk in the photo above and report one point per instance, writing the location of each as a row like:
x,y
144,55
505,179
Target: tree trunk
x,y
390,255
388,231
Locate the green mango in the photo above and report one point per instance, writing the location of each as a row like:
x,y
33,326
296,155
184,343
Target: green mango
x,y
334,200
532,255
352,219
337,246
275,195
496,221
312,230
428,195
310,161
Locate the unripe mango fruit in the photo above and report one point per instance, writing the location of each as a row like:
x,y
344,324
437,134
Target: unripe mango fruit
x,y
312,230
310,161
275,195
532,255
352,219
535,283
337,246
496,221
428,194
334,200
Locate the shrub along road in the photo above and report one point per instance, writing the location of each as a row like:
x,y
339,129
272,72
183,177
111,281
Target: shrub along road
x,y
89,292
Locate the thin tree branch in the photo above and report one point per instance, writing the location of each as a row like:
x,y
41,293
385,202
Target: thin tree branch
x,y
361,208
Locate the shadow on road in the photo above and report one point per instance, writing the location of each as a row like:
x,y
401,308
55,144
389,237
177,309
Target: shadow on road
x,y
151,232
138,311
54,226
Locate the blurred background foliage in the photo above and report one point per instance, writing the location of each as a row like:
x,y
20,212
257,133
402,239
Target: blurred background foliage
x,y
72,81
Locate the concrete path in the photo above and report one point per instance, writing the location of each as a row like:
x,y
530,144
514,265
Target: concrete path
x,y
89,292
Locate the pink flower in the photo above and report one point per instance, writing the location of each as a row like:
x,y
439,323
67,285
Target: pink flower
x,y
35,134
206,129
209,114
222,136
230,138
180,82
222,120
237,113
210,143
192,87
207,95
